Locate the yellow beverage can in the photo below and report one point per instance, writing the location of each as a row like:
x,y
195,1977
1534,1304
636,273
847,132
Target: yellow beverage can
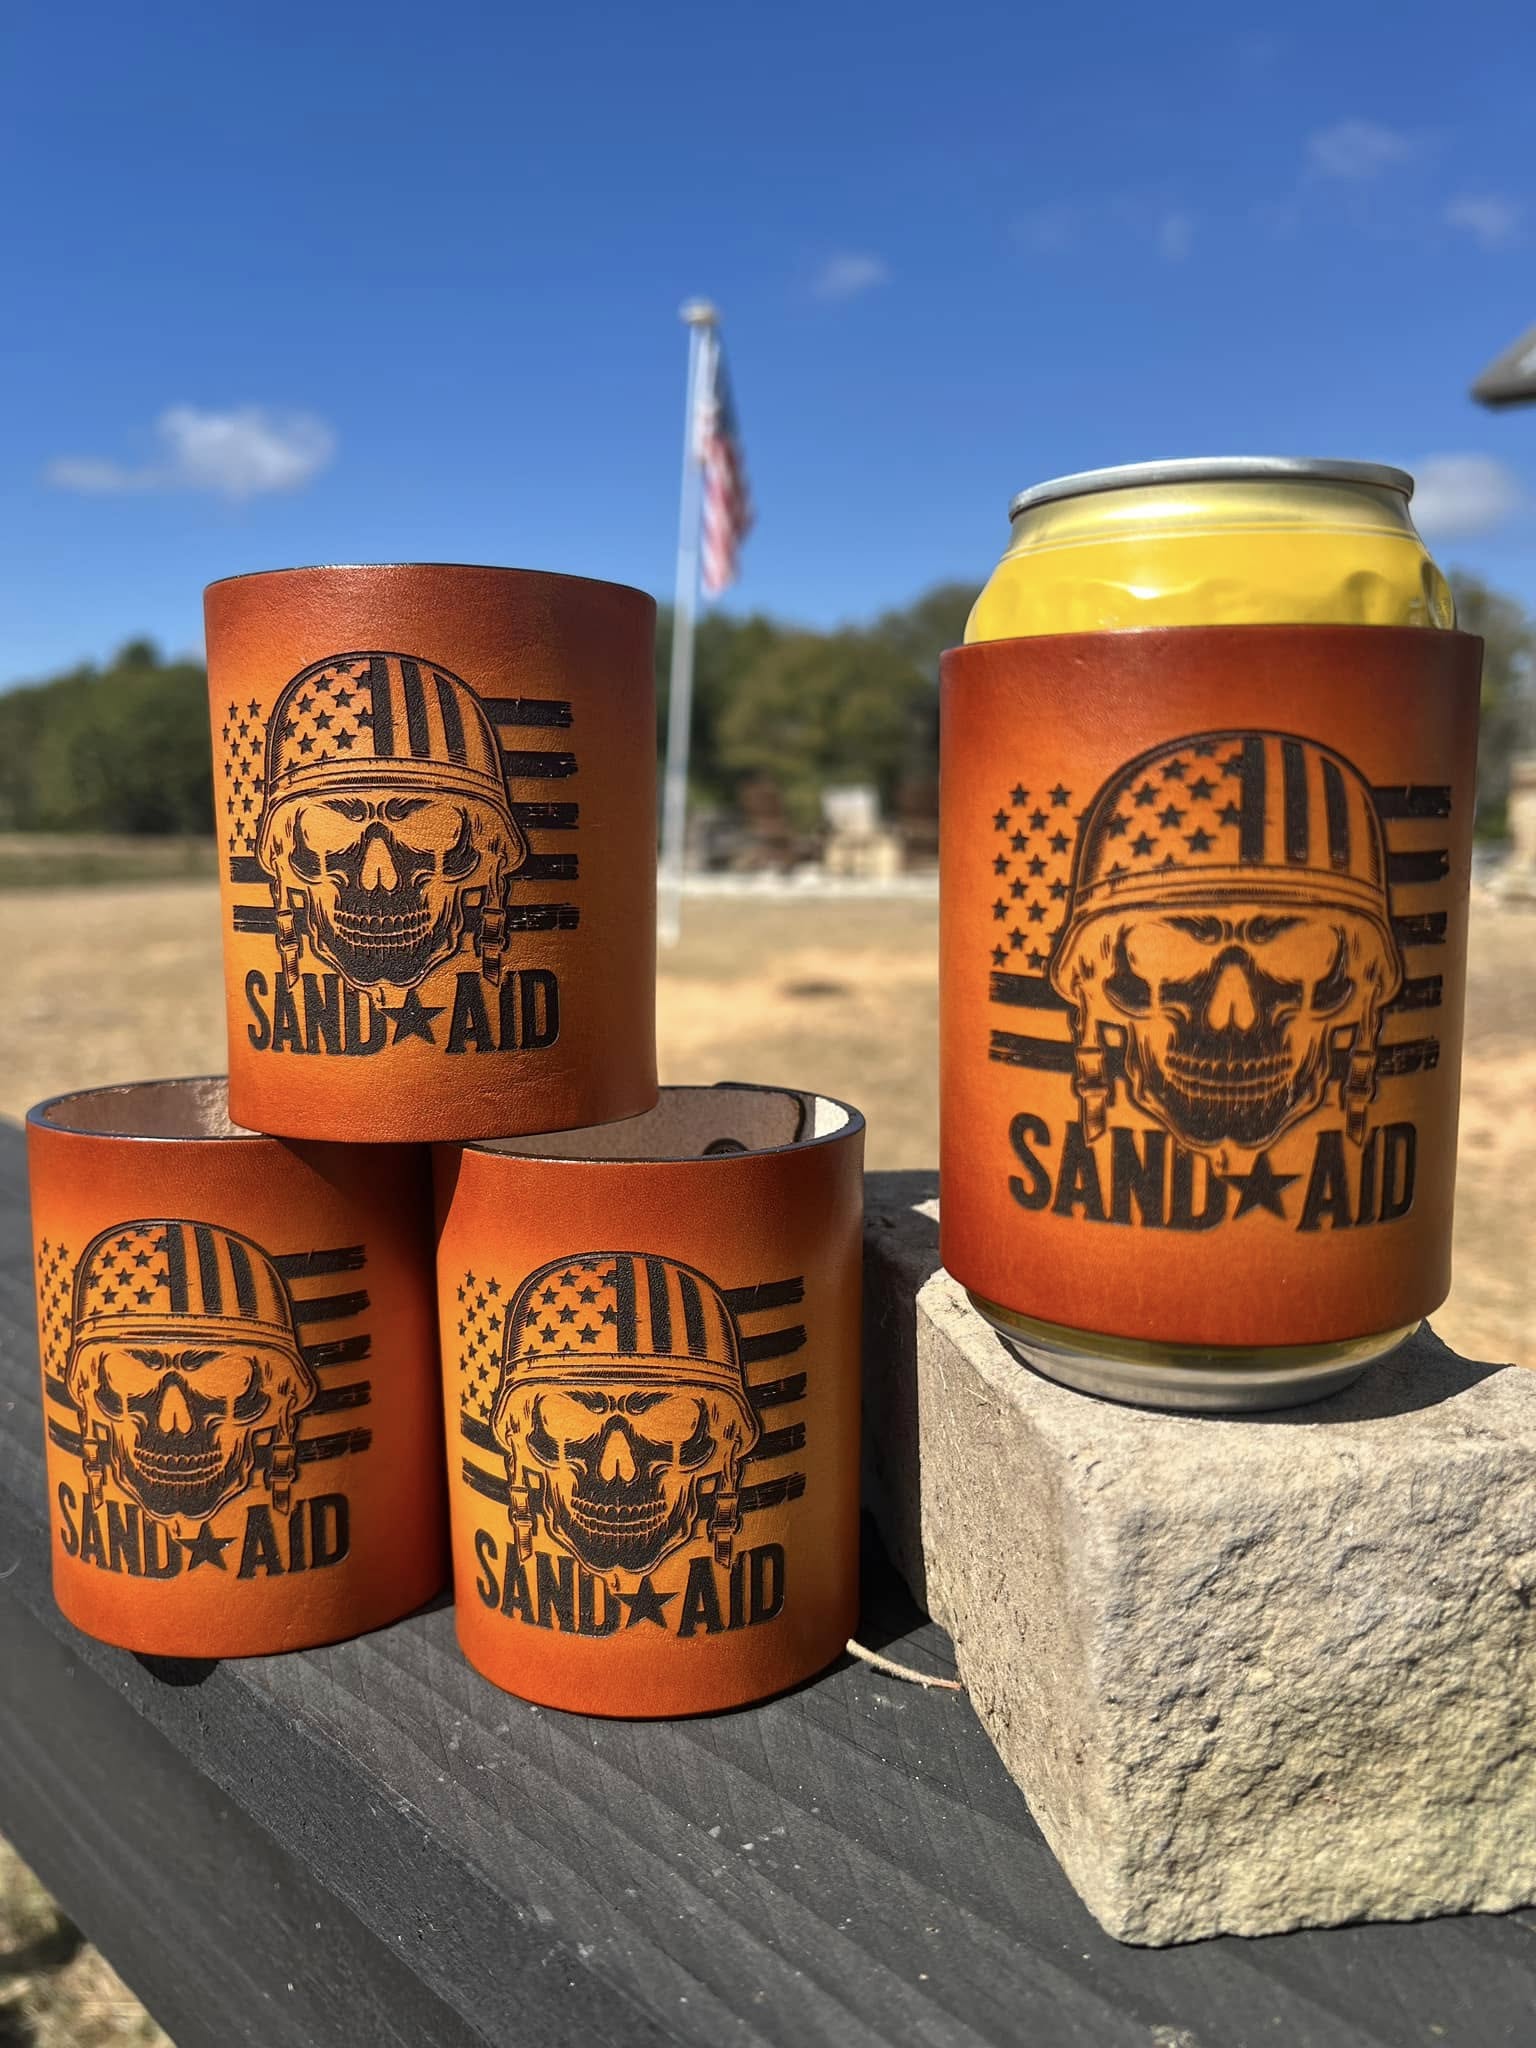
x,y
1222,542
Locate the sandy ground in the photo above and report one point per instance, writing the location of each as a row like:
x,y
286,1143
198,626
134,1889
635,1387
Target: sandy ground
x,y
832,994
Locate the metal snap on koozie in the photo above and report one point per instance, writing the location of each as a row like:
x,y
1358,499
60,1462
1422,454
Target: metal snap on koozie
x,y
436,817
239,1375
650,1340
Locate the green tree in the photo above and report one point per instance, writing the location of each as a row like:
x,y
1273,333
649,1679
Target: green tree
x,y
814,709
1508,723
122,749
925,629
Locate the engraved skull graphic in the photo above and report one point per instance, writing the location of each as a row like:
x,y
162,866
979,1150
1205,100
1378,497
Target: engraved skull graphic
x,y
622,1410
185,1369
386,829
1229,942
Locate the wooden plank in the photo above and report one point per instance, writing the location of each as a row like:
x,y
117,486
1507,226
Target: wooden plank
x,y
848,1865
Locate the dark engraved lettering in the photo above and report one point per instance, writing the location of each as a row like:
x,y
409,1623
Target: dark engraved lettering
x,y
1400,1148
69,1535
515,1597
1033,1192
766,1569
556,1580
1137,1176
357,1041
259,1551
1183,1214
486,1552
470,1028
1077,1180
701,1600
1327,1199
322,1012
123,1538
285,1020
259,1033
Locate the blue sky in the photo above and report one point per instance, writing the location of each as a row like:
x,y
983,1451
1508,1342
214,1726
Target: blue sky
x,y
346,282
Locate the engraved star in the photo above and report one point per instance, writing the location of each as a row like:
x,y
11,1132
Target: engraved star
x,y
1037,913
547,1332
567,1313
1038,821
344,699
1058,890
1260,1188
567,1279
306,743
1058,842
1019,841
1174,771
234,710
305,701
1141,845
323,721
1000,865
1116,826
493,1287
1204,749
1172,815
548,1295
587,1294
412,1018
253,707
1016,939
1016,890
1037,865
1231,815
588,1333
1018,795
999,910
1038,960
1146,794
1199,841
610,1315
1233,764
206,1548
1060,797
1000,821
646,1604
999,957
1202,791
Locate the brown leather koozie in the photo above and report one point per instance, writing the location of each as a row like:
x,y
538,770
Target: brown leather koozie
x,y
1204,899
651,1368
437,837
239,1375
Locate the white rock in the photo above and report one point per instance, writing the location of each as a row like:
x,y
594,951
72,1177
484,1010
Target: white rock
x,y
1250,1674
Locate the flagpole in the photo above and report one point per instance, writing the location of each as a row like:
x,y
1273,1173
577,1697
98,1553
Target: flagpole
x,y
701,319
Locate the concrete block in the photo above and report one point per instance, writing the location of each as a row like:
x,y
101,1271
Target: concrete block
x,y
1250,1674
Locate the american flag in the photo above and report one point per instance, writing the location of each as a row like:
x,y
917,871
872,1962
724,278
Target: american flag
x,y
727,516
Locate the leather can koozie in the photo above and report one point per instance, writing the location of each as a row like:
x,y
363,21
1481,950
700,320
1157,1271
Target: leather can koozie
x,y
651,1365
239,1375
436,813
1204,912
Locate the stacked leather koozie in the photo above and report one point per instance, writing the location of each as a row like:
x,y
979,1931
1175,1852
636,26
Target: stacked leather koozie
x,y
439,1282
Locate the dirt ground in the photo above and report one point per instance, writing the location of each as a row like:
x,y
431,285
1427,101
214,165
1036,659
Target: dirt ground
x,y
835,994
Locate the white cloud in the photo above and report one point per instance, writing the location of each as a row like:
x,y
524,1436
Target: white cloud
x,y
1459,495
1358,149
1489,219
1045,229
850,274
1175,236
239,454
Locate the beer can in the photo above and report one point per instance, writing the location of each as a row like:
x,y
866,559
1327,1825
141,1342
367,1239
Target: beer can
x,y
1208,781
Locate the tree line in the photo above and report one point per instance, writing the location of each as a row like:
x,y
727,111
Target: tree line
x,y
125,748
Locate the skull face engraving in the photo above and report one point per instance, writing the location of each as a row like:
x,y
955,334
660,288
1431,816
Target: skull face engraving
x,y
181,1430
1228,946
621,1472
185,1369
386,830
1229,1019
386,880
622,1411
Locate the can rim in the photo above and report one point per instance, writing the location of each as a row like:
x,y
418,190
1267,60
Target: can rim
x,y
1192,469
